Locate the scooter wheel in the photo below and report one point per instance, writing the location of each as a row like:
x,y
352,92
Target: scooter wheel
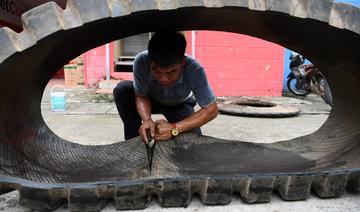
x,y
291,84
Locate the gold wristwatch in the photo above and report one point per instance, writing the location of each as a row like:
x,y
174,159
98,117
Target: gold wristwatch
x,y
174,130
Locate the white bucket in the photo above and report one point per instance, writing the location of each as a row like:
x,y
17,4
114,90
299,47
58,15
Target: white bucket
x,y
57,99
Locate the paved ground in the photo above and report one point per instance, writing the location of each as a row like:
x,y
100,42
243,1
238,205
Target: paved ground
x,y
95,120
92,119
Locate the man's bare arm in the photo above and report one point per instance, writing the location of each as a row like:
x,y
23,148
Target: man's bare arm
x,y
196,120
199,118
143,107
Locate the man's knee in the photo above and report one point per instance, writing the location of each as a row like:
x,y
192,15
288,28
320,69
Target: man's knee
x,y
123,88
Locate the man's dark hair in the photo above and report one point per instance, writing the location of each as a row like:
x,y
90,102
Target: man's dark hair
x,y
167,48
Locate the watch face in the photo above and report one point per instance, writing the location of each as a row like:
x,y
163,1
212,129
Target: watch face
x,y
174,132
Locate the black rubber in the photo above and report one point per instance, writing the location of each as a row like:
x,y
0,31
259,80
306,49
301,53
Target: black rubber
x,y
326,95
48,170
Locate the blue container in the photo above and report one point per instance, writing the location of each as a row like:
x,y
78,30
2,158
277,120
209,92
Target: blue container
x,y
57,99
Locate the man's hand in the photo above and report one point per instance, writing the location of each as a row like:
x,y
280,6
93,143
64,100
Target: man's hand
x,y
163,130
147,125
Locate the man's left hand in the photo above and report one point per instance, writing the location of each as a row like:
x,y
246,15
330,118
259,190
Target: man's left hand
x,y
162,130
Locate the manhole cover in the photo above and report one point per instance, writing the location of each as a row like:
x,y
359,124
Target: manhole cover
x,y
254,103
257,108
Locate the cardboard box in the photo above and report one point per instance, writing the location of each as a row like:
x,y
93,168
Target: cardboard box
x,y
80,74
70,73
74,73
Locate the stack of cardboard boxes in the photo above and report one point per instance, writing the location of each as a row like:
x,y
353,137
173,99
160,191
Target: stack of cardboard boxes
x,y
74,73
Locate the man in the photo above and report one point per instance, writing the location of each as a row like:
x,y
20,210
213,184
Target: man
x,y
167,82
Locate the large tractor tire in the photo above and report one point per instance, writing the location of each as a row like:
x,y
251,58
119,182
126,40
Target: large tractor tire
x,y
50,171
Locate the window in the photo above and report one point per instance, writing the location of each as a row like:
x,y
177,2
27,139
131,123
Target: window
x,y
127,48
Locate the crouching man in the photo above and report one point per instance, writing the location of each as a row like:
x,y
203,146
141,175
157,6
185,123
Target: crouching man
x,y
167,82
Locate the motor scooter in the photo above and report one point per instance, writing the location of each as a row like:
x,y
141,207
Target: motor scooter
x,y
306,78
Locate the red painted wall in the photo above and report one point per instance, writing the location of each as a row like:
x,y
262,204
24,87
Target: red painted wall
x,y
236,65
240,65
95,65
59,74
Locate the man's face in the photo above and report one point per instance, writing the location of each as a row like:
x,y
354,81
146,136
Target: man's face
x,y
167,76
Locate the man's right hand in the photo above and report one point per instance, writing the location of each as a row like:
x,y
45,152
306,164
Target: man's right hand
x,y
147,125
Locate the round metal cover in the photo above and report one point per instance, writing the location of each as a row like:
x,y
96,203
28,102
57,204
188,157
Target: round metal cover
x,y
257,108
